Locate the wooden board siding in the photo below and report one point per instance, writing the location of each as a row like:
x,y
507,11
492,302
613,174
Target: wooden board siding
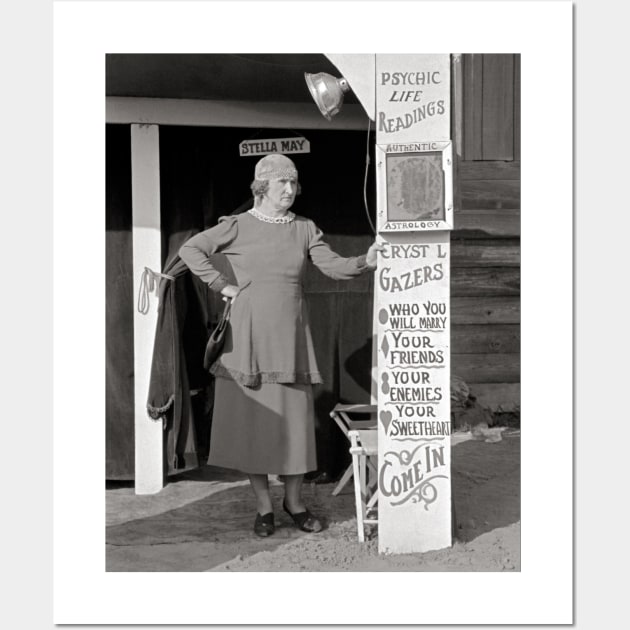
x,y
501,397
491,101
489,200
488,368
472,77
497,139
484,223
468,253
485,243
517,107
491,194
485,282
482,339
486,310
469,170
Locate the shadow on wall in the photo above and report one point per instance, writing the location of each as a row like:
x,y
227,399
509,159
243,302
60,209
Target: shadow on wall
x,y
356,366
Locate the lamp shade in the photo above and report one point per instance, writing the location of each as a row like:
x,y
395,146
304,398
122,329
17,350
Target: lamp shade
x,y
327,92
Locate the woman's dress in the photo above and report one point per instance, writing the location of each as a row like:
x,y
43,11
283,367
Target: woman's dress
x,y
263,418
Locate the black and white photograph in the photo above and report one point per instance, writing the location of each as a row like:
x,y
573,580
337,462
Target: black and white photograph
x,y
318,323
289,389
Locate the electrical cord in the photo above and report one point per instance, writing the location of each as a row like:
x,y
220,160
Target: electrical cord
x,y
367,166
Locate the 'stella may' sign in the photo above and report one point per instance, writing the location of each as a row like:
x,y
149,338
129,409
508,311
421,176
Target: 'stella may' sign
x,y
274,145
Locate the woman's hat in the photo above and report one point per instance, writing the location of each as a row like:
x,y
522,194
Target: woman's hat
x,y
275,166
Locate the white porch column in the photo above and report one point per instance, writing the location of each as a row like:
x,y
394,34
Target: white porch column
x,y
145,193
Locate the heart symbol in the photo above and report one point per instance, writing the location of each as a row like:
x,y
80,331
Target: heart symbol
x,y
386,418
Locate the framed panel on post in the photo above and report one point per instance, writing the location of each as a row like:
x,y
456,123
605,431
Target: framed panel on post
x,y
415,185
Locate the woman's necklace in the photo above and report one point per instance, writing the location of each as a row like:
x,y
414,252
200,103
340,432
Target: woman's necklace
x,y
287,218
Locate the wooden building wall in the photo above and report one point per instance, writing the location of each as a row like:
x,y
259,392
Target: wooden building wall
x,y
485,254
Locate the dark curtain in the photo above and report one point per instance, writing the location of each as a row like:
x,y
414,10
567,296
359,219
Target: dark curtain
x,y
202,178
119,305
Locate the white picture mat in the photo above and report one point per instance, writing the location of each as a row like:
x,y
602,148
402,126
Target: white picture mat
x,y
84,33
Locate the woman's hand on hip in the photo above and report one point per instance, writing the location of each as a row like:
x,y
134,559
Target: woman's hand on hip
x,y
230,291
371,257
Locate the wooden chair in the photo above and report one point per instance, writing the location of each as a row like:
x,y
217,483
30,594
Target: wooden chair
x,y
364,445
343,416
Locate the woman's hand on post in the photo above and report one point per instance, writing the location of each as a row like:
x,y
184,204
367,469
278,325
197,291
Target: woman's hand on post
x,y
230,291
371,257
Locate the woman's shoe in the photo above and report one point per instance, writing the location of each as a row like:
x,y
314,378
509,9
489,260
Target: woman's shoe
x,y
304,520
264,525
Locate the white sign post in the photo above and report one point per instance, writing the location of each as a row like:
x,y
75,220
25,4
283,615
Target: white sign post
x,y
412,290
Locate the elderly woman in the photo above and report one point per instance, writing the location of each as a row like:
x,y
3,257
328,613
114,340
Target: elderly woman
x,y
263,419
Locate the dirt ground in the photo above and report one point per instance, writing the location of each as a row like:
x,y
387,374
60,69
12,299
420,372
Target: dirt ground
x,y
202,521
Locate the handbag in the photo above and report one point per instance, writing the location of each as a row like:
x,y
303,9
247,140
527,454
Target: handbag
x,y
215,344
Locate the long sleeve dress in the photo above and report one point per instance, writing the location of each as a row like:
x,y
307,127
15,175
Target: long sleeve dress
x,y
263,419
